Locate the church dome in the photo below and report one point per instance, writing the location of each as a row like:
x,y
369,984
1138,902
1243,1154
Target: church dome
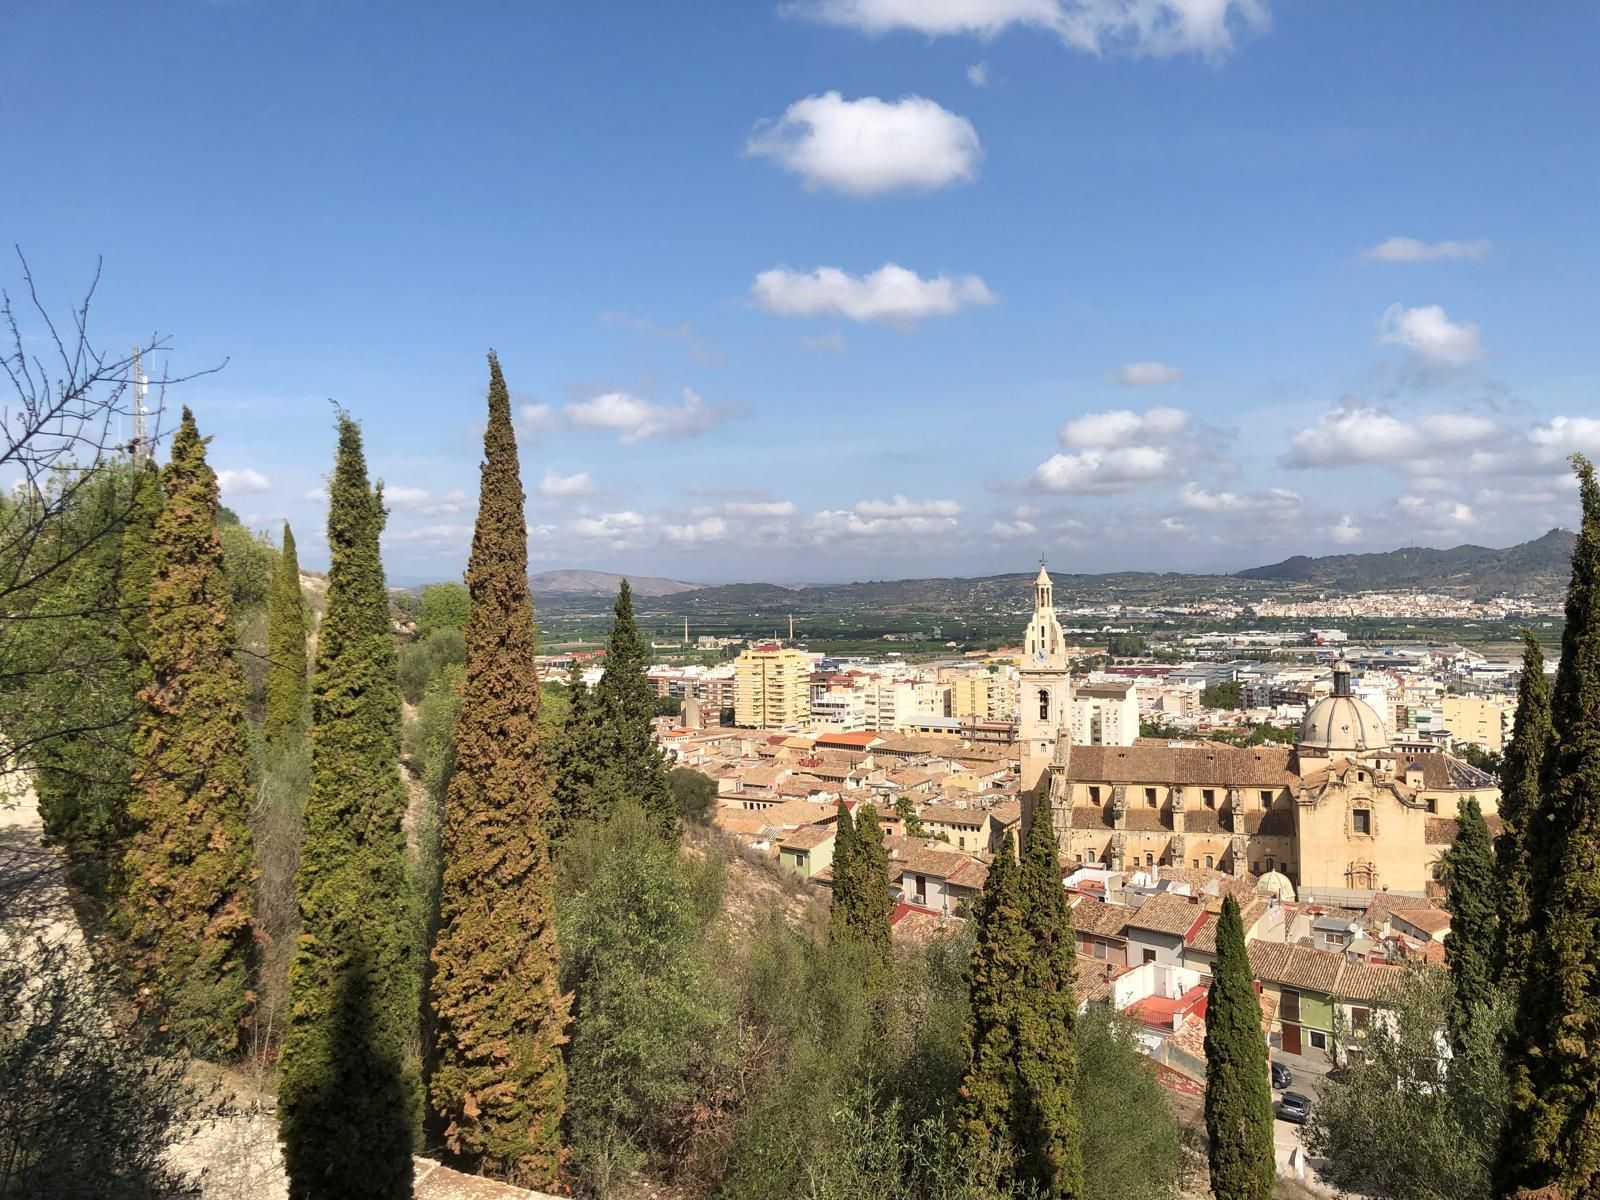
x,y
1275,885
1341,723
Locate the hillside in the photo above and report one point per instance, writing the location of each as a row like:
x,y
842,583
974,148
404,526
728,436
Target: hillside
x,y
603,583
1539,566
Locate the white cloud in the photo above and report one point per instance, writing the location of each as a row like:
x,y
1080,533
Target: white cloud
x,y
1173,525
1026,512
827,343
243,481
1410,250
708,529
1013,529
759,508
890,294
455,501
824,526
1356,434
1561,436
316,495
1346,532
978,74
1275,501
1123,427
636,420
616,529
1432,336
867,146
561,486
1158,28
1098,472
899,506
536,417
444,535
397,496
1145,374
1436,515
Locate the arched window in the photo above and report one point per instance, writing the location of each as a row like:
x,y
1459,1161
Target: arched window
x,y
1044,705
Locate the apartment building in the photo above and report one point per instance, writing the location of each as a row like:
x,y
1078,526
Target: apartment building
x,y
772,688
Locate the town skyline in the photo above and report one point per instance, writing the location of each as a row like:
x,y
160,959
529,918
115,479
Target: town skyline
x,y
1182,296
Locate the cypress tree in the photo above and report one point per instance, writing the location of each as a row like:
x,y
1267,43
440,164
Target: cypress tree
x,y
873,903
575,772
1238,1089
1553,1124
843,904
986,1105
1469,946
187,904
288,694
499,1084
1520,817
138,566
348,1101
634,765
1049,1130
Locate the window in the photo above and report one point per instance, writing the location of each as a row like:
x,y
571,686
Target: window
x,y
1101,950
922,887
1149,956
1197,864
1094,794
1150,797
962,843
1319,1040
1079,859
1208,862
1270,865
1361,820
1149,859
1359,1017
1091,856
1266,798
1044,705
1209,796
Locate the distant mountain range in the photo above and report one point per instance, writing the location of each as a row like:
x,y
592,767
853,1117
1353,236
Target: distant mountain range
x,y
603,583
1539,566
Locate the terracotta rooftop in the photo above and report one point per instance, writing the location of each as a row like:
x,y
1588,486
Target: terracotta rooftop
x,y
1166,913
1210,765
807,837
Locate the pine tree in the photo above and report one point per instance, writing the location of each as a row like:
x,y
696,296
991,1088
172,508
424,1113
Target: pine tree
x,y
1238,1089
187,904
499,1084
872,902
844,903
1520,817
986,1106
575,771
1552,1122
1049,1130
288,694
348,1101
1469,946
634,765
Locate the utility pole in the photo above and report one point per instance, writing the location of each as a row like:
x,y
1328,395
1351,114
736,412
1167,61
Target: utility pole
x,y
139,447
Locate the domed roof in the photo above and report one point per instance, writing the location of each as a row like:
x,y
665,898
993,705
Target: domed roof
x,y
1276,886
1340,723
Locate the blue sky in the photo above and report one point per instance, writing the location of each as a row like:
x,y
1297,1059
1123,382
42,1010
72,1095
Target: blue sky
x,y
846,288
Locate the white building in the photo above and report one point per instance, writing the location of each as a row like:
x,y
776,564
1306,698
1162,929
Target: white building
x,y
1105,713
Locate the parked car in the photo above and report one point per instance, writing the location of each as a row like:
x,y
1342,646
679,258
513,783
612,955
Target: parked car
x,y
1294,1108
1282,1077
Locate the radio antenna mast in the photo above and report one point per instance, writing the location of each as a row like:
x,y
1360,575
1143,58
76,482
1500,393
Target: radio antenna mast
x,y
139,447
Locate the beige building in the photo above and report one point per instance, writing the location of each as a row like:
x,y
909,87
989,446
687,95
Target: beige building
x,y
1045,703
1341,812
772,688
1481,722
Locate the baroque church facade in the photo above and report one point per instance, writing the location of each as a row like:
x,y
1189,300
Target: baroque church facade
x,y
1339,812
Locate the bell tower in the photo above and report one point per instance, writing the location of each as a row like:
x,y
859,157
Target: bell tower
x,y
1046,685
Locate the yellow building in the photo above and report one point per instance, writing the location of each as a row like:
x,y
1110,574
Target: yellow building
x,y
1480,722
772,688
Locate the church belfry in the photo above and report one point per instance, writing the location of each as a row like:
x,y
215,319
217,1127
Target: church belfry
x,y
1046,685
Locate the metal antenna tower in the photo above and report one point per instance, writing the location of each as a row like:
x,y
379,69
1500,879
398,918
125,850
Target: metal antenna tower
x,y
139,447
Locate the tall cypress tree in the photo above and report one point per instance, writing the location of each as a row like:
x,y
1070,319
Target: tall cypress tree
x,y
1238,1089
872,901
986,1106
1553,1124
348,1101
844,902
187,903
1050,1132
1520,818
288,694
575,771
634,765
500,1084
1469,946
